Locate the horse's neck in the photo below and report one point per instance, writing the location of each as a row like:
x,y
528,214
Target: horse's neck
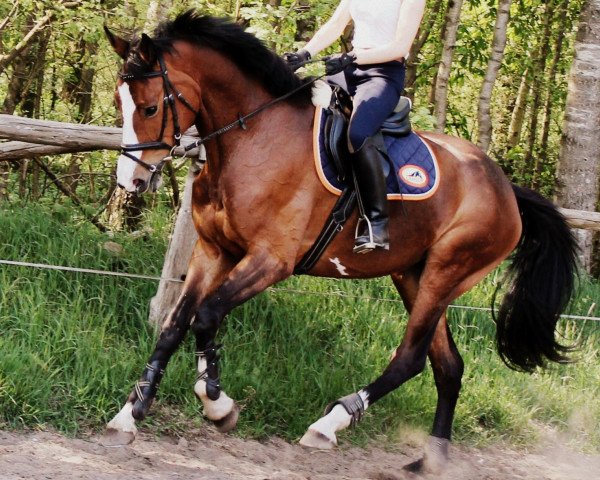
x,y
226,94
275,137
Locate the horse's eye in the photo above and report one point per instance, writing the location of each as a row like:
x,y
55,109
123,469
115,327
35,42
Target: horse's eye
x,y
150,111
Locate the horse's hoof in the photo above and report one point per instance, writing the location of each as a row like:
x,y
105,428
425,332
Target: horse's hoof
x,y
414,467
116,438
435,459
314,439
229,421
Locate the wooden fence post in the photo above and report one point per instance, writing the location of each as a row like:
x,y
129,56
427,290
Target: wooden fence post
x,y
178,254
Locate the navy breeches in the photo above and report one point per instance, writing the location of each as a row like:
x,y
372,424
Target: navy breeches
x,y
376,90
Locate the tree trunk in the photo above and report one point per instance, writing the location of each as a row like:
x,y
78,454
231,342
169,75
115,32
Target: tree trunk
x,y
21,72
539,81
579,168
78,89
4,175
494,63
412,63
518,114
449,42
304,26
542,158
157,12
35,181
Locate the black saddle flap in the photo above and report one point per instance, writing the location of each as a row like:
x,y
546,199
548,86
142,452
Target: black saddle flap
x,y
398,123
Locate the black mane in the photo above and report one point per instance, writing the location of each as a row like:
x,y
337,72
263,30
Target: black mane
x,y
230,39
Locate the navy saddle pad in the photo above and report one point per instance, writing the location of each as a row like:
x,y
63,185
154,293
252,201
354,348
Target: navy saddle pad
x,y
415,174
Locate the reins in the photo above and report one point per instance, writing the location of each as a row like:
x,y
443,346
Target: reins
x,y
169,102
241,121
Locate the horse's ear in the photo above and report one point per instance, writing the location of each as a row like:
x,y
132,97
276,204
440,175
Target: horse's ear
x,y
120,45
147,49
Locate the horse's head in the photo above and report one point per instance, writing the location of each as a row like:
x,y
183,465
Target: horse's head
x,y
150,93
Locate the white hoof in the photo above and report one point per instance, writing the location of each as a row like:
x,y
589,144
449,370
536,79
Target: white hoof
x,y
318,440
121,430
229,421
116,438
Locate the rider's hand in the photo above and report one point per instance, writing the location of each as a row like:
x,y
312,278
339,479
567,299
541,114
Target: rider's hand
x,y
297,59
337,63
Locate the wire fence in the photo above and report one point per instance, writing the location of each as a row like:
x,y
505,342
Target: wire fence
x,y
91,271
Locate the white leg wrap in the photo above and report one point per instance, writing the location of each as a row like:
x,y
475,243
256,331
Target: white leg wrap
x,y
124,421
333,422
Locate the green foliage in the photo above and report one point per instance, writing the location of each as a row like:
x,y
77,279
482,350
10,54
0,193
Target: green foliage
x,y
285,25
74,344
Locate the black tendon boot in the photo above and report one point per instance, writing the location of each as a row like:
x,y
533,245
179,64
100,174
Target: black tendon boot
x,y
372,228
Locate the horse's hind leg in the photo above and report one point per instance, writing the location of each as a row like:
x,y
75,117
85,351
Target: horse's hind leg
x,y
321,434
451,269
447,366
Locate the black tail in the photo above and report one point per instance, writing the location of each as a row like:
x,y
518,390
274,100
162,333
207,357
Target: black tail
x,y
543,274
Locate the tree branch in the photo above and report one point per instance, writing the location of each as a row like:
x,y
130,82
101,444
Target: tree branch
x,y
67,191
8,17
5,60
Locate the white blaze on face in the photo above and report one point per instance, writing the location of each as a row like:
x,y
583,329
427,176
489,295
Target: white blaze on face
x,y
126,166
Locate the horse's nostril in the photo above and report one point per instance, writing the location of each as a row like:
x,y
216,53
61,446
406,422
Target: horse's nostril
x,y
140,185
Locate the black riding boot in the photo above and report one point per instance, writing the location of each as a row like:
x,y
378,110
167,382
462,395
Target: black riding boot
x,y
369,179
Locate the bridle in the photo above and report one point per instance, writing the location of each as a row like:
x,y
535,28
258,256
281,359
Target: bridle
x,y
170,94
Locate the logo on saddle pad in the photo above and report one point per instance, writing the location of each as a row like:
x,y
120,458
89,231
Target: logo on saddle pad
x,y
414,176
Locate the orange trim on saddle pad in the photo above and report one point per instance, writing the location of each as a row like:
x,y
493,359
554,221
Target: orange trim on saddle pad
x,y
412,175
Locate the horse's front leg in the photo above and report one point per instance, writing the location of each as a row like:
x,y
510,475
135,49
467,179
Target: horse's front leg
x,y
258,270
208,265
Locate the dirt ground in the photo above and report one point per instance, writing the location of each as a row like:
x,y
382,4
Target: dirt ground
x,y
213,456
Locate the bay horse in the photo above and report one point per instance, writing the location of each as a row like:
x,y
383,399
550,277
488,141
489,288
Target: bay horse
x,y
258,206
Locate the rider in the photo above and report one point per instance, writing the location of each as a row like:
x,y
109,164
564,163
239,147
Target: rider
x,y
384,31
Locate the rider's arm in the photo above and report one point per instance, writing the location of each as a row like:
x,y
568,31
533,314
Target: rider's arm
x,y
331,30
411,14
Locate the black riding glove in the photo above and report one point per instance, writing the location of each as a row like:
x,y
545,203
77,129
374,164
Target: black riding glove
x,y
296,60
337,63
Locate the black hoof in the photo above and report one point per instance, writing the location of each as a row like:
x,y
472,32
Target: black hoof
x,y
414,467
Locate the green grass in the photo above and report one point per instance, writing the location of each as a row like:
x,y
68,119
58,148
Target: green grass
x,y
72,345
